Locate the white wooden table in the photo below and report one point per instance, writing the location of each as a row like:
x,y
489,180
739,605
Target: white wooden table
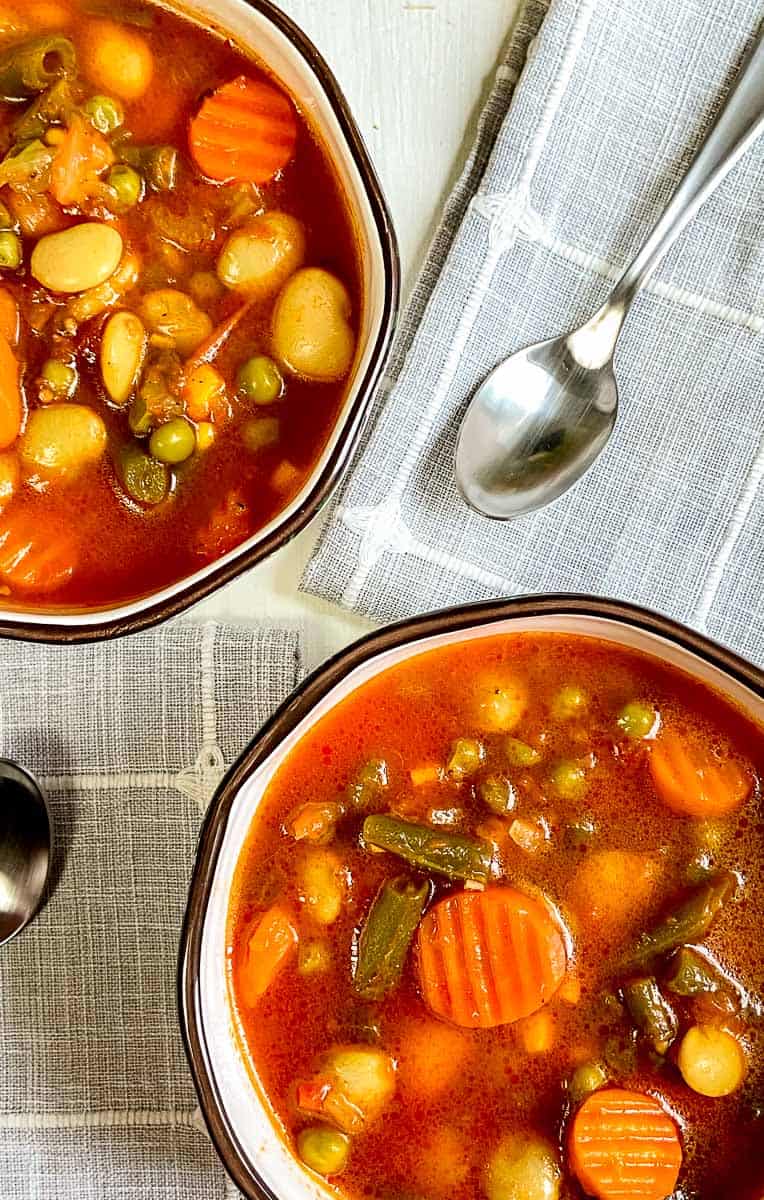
x,y
416,73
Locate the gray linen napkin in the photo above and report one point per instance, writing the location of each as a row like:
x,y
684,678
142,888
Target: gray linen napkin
x,y
129,739
571,168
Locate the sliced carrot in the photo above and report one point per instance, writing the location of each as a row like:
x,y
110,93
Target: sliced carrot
x,y
429,773
488,958
81,157
689,779
35,556
624,1146
245,130
9,317
11,399
271,942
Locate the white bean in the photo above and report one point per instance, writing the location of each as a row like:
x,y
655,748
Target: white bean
x,y
78,258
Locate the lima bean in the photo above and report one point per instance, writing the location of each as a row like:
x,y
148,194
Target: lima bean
x,y
77,259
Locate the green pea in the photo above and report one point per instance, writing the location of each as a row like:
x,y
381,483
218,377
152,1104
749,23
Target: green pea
x,y
162,168
324,1150
105,113
173,442
127,185
571,701
638,719
60,377
10,250
569,780
587,1078
260,380
520,754
260,432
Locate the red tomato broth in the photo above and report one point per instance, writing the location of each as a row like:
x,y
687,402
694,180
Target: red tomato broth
x,y
126,549
436,1135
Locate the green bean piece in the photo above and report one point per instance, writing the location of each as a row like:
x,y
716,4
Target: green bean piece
x,y
53,107
497,794
162,164
173,442
324,1150
449,854
126,184
34,65
386,936
587,1078
465,758
692,974
688,922
139,417
369,783
105,113
60,377
520,754
10,250
143,478
651,1012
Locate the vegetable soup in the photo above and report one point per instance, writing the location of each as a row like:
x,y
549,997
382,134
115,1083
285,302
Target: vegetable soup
x,y
505,902
179,294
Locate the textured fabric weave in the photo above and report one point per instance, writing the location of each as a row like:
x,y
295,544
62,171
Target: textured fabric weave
x,y
128,739
573,166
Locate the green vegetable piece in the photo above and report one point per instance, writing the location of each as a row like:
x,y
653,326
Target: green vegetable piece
x,y
369,783
26,165
105,113
688,922
651,1012
53,107
466,756
587,1078
570,702
386,936
10,250
143,478
449,854
33,66
520,754
569,780
314,957
126,184
260,380
162,164
365,1024
173,442
497,794
259,432
638,719
139,417
324,1150
60,377
692,974
579,833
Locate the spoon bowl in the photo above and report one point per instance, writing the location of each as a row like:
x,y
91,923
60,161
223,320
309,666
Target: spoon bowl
x,y
25,848
534,427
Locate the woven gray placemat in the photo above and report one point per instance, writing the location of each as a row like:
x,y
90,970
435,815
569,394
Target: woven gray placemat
x,y
128,739
573,165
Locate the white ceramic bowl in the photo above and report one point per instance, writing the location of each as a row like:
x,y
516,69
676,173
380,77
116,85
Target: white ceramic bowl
x,y
262,30
237,1112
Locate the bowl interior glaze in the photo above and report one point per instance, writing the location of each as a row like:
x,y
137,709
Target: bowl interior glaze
x,y
235,1106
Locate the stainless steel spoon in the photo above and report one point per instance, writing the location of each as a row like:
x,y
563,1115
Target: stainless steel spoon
x,y
542,416
25,843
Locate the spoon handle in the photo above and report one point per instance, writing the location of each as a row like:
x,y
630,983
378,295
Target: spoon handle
x,y
738,124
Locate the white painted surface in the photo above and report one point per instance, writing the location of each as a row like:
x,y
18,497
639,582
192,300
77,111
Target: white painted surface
x,y
415,73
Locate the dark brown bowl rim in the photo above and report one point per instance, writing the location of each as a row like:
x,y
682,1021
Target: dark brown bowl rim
x,y
302,701
47,629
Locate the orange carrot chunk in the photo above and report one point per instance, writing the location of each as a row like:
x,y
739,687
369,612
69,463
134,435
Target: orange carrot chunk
x,y
9,317
246,130
624,1146
690,779
11,400
488,958
81,158
35,556
268,947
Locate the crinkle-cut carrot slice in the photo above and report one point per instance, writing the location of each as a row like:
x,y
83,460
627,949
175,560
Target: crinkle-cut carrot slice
x,y
488,958
269,945
35,555
246,130
623,1145
689,779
